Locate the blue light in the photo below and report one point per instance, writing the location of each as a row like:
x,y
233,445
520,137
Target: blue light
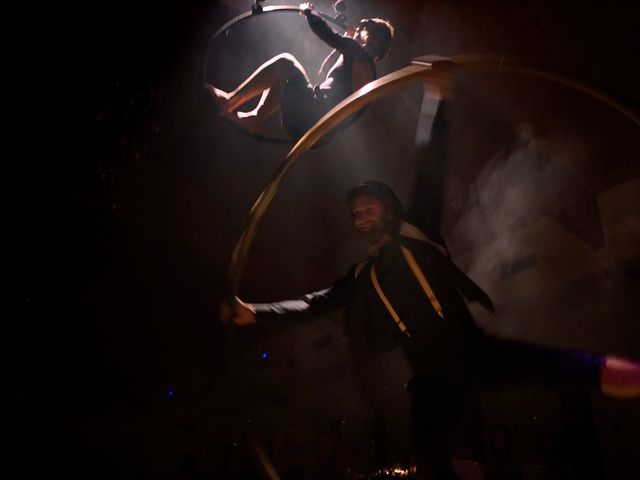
x,y
170,392
264,355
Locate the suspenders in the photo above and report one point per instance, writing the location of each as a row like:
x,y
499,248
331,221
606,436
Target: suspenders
x,y
387,303
426,288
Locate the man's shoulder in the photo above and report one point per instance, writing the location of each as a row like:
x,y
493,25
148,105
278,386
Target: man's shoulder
x,y
351,48
416,238
356,268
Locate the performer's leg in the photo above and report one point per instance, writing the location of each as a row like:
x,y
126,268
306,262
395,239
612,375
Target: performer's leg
x,y
253,120
218,96
269,103
437,411
268,81
271,74
620,377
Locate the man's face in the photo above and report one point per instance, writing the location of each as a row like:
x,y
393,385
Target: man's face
x,y
370,219
362,36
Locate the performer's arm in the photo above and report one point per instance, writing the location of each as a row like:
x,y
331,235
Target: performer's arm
x,y
426,201
316,303
333,56
344,45
329,60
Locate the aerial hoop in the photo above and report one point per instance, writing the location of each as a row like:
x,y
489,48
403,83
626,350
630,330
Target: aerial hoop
x,y
420,71
257,10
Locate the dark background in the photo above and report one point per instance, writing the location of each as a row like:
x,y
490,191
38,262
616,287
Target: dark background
x,y
126,194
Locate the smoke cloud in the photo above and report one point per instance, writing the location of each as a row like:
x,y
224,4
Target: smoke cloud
x,y
509,195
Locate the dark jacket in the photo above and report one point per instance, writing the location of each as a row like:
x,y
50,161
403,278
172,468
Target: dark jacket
x,y
434,342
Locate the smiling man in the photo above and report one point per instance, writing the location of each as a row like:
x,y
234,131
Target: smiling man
x,y
372,219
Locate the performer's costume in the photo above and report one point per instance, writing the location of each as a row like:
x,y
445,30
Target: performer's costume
x,y
303,104
449,354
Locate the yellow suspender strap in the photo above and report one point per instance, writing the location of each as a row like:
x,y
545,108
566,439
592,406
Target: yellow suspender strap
x,y
417,272
408,256
385,300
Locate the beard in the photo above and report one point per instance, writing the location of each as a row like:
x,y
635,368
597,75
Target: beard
x,y
376,231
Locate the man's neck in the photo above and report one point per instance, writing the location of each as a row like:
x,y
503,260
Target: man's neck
x,y
369,49
375,247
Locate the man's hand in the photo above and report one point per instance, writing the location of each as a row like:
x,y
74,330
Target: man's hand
x,y
306,8
351,31
239,313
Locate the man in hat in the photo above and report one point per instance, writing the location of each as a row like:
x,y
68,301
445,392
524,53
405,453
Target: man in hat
x,y
408,292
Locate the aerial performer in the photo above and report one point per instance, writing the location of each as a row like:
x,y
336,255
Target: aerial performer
x,y
284,86
409,293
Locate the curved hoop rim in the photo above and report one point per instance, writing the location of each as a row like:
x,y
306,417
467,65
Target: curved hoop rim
x,y
378,89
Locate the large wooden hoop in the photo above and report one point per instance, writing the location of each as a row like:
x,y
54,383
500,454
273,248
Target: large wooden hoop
x,y
417,72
